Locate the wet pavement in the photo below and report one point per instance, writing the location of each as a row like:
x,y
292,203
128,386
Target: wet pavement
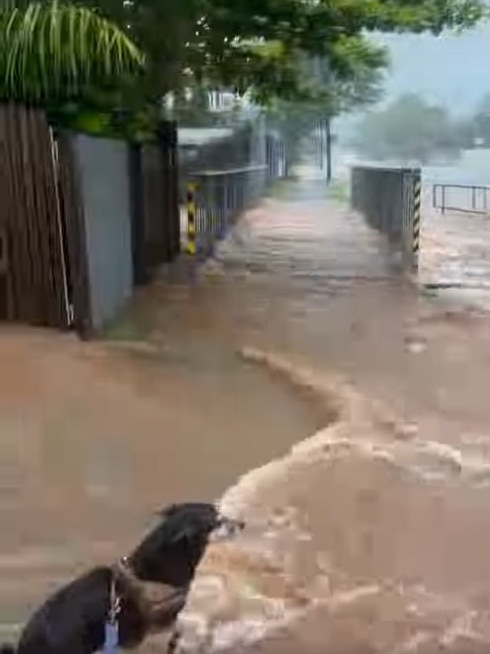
x,y
301,355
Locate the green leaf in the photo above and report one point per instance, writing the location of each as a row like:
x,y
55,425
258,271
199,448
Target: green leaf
x,y
58,51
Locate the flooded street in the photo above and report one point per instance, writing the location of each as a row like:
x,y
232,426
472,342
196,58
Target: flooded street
x,y
298,377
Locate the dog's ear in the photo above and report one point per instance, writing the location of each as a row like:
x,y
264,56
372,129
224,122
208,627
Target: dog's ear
x,y
165,513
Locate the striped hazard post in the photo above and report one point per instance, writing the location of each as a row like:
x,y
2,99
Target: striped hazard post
x,y
417,208
191,217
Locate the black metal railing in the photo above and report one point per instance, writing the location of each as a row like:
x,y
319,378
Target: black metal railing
x,y
215,200
390,201
461,197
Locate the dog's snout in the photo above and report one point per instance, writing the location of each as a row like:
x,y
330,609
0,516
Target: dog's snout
x,y
232,524
226,528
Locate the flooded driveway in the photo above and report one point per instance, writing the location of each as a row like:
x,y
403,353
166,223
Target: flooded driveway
x,y
300,378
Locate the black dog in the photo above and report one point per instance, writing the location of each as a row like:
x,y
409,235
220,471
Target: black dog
x,y
151,585
171,553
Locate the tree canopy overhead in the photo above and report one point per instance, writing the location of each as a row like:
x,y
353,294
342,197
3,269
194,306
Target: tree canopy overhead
x,y
257,44
313,51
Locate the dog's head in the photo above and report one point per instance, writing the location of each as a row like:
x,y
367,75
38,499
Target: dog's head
x,y
172,551
192,520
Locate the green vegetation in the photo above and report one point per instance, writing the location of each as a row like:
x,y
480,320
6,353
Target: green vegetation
x,y
316,56
262,45
55,52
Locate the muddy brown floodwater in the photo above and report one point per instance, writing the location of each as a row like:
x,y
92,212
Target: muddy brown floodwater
x,y
94,440
297,377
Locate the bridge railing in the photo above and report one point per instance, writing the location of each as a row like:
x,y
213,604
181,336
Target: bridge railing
x,y
461,197
215,199
390,201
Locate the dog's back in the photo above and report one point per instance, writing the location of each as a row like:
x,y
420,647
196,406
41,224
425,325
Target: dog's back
x,y
69,621
72,621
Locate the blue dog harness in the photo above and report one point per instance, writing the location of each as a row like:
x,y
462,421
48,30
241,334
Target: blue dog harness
x,y
111,630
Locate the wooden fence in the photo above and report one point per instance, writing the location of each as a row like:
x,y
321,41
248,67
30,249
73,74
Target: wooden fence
x,y
43,246
33,266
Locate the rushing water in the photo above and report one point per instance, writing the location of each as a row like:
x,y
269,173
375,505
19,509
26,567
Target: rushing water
x,y
454,251
370,535
364,538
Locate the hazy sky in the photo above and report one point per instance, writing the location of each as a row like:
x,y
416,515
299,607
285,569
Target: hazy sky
x,y
450,70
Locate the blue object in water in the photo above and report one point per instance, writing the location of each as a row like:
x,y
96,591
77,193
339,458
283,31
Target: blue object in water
x,y
111,638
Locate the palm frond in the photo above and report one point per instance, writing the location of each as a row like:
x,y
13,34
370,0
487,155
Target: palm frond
x,y
59,50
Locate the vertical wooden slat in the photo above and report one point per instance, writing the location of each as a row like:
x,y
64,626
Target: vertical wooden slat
x,y
11,211
17,218
47,244
74,221
174,187
136,199
35,270
35,225
47,173
14,282
6,295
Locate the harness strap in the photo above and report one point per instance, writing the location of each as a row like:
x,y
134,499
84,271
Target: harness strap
x,y
111,634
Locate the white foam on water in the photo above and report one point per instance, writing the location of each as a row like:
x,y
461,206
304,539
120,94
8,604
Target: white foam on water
x,y
276,573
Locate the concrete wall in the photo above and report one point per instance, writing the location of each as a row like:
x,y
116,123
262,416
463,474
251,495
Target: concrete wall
x,y
103,166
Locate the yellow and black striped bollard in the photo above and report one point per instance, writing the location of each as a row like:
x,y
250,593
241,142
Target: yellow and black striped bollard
x,y
191,217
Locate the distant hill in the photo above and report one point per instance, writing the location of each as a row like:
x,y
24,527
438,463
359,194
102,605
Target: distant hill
x,y
449,70
452,70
